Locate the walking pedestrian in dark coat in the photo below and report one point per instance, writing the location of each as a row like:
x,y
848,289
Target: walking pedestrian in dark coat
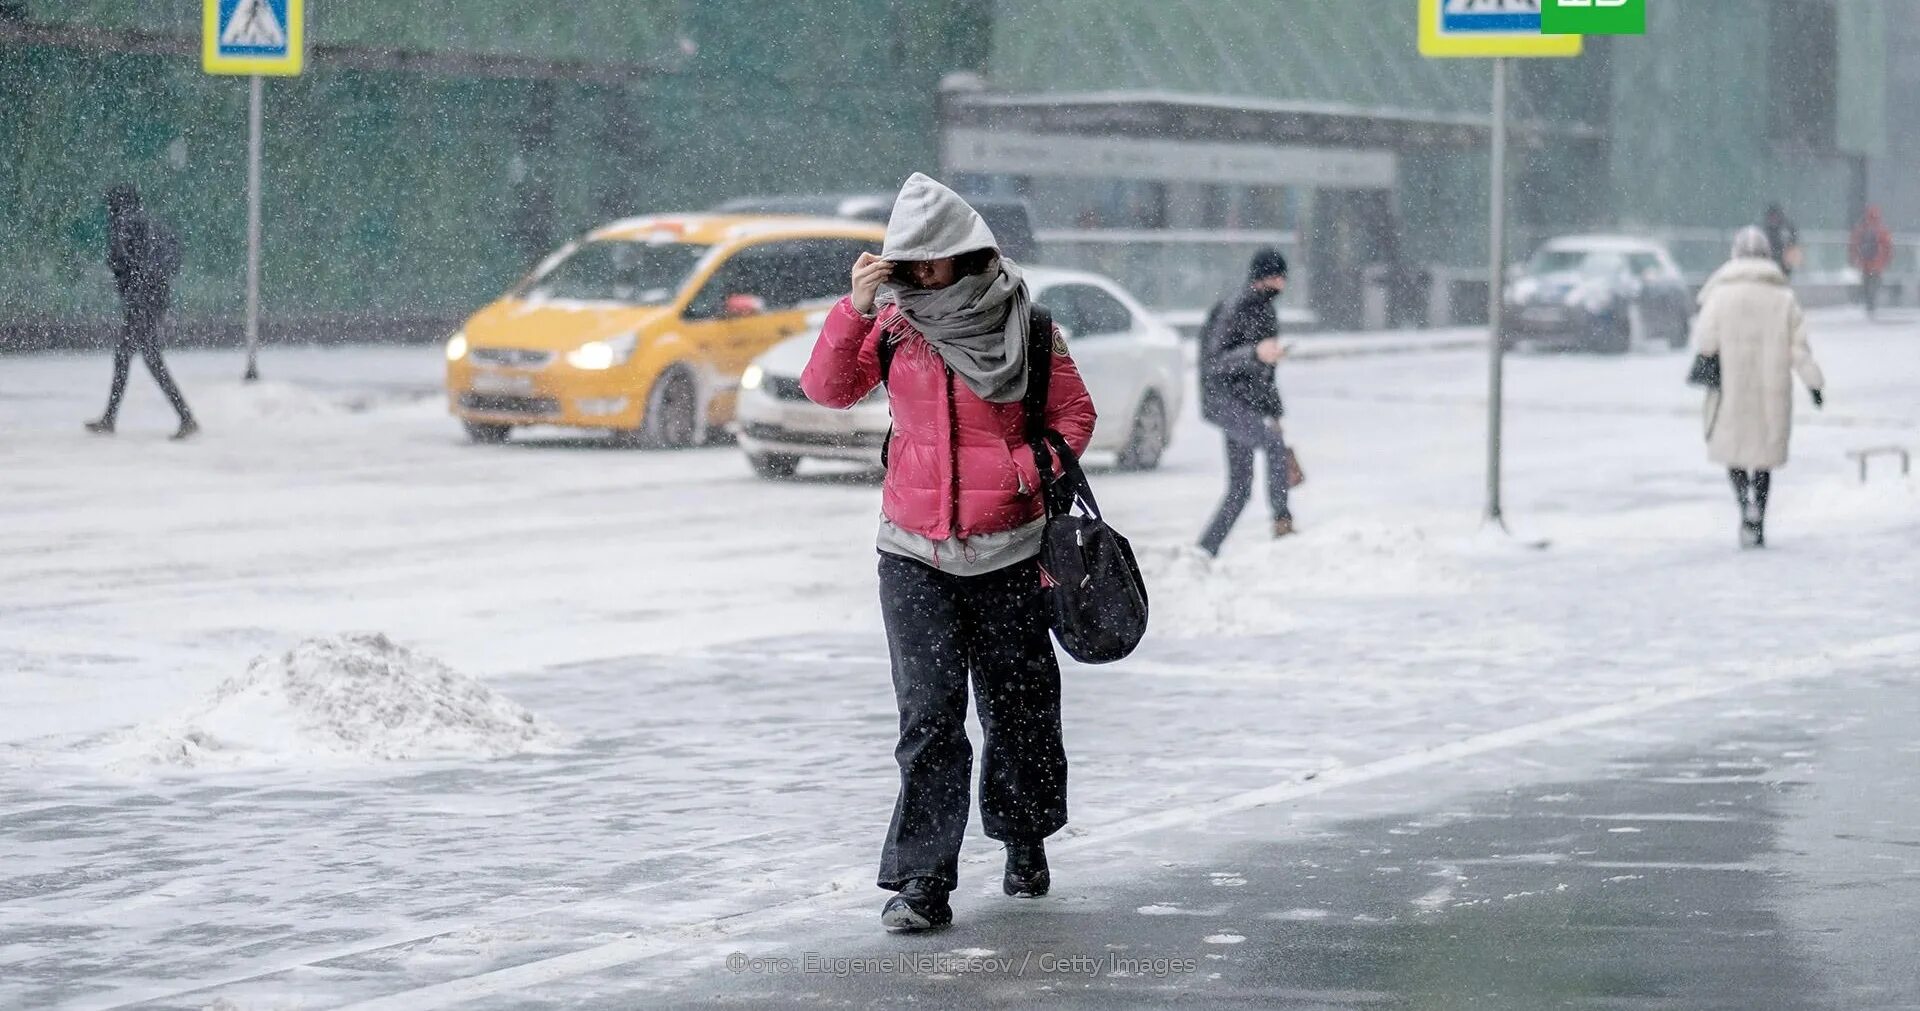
x,y
1784,238
1240,344
144,257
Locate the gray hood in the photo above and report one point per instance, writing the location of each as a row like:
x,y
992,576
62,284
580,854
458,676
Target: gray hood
x,y
930,222
978,325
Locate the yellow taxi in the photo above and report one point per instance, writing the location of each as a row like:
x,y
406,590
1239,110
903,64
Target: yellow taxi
x,y
643,327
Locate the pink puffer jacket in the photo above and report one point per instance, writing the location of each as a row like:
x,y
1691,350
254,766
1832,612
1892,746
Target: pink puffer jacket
x,y
958,466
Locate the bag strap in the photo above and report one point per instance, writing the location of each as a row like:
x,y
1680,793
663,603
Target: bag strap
x,y
1062,491
885,352
1039,373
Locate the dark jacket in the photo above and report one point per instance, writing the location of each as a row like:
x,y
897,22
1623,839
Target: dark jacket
x,y
1782,236
143,257
1233,379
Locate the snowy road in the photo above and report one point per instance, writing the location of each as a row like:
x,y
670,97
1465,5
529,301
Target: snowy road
x,y
711,645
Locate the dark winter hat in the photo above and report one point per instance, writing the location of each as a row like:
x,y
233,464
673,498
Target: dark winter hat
x,y
123,197
1267,263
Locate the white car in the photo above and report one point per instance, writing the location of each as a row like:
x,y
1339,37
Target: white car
x,y
1131,361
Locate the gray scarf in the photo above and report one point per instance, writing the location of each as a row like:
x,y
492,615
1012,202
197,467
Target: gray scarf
x,y
978,325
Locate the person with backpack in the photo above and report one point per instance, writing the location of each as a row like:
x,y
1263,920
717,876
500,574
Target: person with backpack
x,y
144,257
1240,344
1870,251
946,323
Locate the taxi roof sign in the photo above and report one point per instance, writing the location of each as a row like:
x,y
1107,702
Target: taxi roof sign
x,y
1487,28
252,37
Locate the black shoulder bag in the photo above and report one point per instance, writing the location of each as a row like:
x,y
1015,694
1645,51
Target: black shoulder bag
x,y
1096,597
1705,372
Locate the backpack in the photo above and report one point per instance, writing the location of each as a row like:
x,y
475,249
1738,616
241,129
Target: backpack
x,y
166,251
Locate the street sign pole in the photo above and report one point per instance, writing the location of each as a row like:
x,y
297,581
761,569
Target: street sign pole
x,y
254,145
1496,287
254,39
1497,30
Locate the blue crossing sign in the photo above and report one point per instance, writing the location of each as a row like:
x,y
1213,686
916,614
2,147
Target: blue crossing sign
x,y
253,37
1488,28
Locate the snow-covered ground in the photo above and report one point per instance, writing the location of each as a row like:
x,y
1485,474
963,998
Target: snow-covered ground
x,y
665,688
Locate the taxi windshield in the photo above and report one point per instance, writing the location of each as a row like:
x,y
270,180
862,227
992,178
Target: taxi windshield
x,y
632,273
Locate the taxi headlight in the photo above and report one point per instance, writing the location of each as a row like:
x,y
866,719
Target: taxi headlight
x,y
597,356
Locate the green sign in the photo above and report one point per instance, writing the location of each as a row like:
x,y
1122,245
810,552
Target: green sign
x,y
1593,17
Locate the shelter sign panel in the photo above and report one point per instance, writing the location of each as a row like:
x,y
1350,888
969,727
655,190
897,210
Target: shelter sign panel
x,y
1079,156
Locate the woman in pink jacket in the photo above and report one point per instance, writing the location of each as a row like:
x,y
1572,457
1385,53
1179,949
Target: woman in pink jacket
x,y
959,537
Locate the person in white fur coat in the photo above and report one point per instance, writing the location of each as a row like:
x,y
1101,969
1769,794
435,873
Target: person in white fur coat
x,y
1751,321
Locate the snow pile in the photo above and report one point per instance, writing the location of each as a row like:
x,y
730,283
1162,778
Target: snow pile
x,y
1257,585
354,698
231,404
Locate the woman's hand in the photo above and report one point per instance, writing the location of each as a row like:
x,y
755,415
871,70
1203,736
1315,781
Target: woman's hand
x,y
868,272
1270,350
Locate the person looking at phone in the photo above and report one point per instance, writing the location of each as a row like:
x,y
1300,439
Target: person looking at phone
x,y
1239,346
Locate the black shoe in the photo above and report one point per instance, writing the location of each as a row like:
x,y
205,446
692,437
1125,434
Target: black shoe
x,y
921,905
1027,873
102,427
1752,535
188,429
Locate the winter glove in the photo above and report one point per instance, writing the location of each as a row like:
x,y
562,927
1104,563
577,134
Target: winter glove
x,y
1819,400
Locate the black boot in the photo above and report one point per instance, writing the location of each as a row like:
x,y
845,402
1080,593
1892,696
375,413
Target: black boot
x,y
102,427
921,905
1749,515
188,429
1762,487
1027,873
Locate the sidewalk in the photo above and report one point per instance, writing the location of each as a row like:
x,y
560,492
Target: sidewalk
x,y
1724,870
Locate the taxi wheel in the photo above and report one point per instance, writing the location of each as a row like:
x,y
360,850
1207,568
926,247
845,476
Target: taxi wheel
x,y
487,435
773,466
673,413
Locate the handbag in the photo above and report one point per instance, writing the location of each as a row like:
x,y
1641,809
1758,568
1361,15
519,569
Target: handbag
x,y
1706,373
1096,597
1296,476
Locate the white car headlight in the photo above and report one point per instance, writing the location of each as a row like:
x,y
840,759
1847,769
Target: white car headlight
x,y
597,356
457,346
752,378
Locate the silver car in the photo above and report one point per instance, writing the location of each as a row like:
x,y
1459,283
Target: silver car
x,y
1131,362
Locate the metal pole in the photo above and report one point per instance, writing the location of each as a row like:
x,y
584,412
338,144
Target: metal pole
x,y
254,145
1496,287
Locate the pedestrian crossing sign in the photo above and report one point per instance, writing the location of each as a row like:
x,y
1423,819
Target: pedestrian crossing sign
x,y
1488,28
252,37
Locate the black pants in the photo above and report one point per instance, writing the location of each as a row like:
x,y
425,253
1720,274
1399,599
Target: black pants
x,y
1247,433
142,333
940,627
1870,289
1760,482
